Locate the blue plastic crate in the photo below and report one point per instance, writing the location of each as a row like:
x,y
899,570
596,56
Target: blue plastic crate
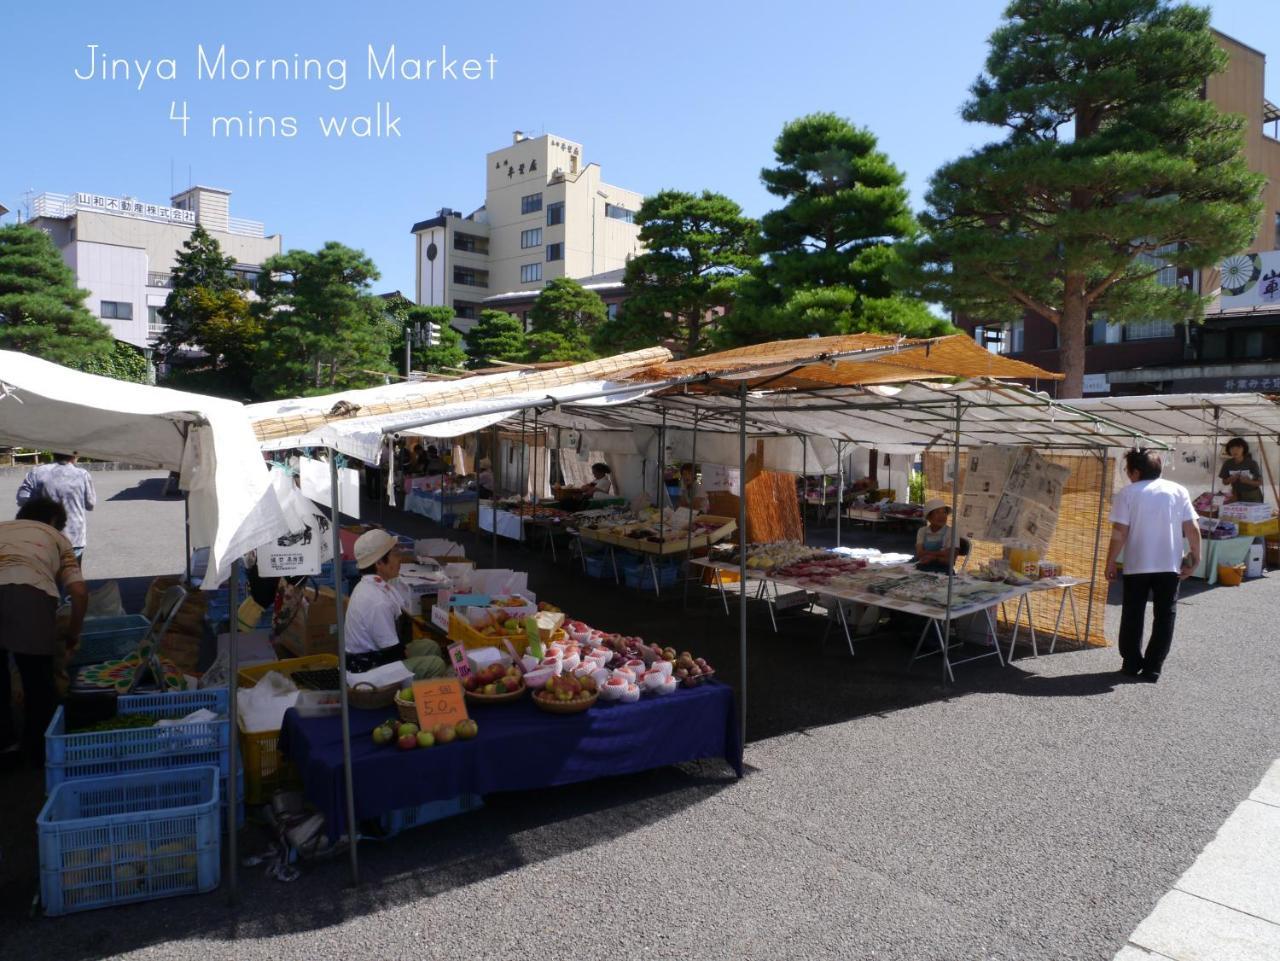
x,y
73,756
597,565
108,638
130,837
412,817
642,577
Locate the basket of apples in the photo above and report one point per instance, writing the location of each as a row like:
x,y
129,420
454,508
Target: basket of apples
x,y
495,684
567,694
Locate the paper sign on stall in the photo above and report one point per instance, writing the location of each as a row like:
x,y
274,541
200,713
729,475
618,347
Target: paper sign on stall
x,y
301,551
458,658
439,701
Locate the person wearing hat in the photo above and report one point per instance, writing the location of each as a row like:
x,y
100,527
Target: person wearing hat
x,y
372,631
933,540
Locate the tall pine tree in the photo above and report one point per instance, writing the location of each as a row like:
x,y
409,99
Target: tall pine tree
x,y
829,252
497,335
204,291
42,312
562,321
1113,167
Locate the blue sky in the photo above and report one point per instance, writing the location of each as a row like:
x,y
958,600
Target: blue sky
x,y
688,95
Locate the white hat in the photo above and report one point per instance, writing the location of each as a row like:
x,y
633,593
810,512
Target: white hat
x,y
372,546
932,505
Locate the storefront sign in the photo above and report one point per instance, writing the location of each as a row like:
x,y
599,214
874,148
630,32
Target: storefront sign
x,y
1096,384
458,658
134,208
1250,280
298,553
439,701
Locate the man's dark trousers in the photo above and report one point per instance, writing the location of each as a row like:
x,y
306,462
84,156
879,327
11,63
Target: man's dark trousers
x,y
1163,591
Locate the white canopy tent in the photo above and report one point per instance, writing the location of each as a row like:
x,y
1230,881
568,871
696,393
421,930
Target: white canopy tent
x,y
232,507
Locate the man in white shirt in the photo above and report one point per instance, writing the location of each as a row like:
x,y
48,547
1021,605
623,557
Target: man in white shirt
x,y
1149,520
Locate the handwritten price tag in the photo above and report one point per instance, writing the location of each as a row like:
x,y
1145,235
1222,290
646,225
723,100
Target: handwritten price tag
x,y
439,701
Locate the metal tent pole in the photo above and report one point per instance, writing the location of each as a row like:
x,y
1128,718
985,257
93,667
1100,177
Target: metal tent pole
x,y
1103,460
688,547
839,488
348,785
233,718
742,552
951,566
493,496
186,526
804,476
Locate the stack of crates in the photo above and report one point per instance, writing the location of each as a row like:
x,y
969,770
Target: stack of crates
x,y
95,754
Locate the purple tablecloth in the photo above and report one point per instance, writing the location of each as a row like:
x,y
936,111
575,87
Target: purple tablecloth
x,y
519,747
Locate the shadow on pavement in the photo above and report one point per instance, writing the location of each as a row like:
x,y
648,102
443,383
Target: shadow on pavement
x,y
150,489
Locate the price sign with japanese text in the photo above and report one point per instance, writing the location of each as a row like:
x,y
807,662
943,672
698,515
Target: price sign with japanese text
x,y
439,701
458,658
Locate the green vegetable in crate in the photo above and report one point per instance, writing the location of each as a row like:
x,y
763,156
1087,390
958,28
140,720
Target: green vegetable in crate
x,y
422,647
426,667
121,722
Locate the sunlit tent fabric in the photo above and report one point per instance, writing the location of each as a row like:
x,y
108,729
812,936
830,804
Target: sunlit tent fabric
x,y
232,507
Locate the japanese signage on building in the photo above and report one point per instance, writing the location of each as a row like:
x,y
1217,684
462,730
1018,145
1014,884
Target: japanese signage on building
x,y
1250,280
134,208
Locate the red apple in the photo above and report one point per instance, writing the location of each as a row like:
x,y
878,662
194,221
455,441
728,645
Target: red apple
x,y
407,742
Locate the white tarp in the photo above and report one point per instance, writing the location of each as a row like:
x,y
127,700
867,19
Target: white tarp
x,y
233,509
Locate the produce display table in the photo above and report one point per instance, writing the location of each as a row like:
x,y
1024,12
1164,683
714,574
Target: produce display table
x,y
519,748
1228,552
510,525
442,508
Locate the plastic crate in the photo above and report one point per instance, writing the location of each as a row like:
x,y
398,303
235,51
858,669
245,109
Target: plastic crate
x,y
265,770
129,837
98,753
642,577
412,817
108,638
597,565
1258,528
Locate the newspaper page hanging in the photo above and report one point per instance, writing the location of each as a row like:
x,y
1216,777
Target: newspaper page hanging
x,y
1011,495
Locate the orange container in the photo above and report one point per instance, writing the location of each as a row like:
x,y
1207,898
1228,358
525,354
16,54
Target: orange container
x,y
1229,575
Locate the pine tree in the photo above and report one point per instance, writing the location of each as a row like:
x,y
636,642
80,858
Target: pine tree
x,y
829,251
497,335
695,246
447,350
202,280
562,321
322,328
1113,167
42,312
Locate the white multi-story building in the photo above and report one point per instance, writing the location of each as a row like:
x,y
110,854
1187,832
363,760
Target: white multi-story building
x,y
546,214
123,250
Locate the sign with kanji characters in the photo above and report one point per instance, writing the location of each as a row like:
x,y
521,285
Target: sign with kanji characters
x,y
439,701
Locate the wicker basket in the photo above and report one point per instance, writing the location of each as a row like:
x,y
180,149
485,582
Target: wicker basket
x,y
565,707
478,698
365,697
407,710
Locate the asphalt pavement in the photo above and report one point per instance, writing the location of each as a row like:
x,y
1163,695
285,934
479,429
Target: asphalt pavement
x,y
1038,811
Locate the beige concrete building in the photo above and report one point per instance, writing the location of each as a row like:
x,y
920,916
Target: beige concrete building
x,y
547,214
123,250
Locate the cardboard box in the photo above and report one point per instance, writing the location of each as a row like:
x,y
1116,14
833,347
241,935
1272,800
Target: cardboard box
x,y
315,630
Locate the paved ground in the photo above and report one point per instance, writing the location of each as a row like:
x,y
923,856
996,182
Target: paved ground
x,y
1034,812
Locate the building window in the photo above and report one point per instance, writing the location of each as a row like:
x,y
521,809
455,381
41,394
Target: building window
x,y
155,323
555,251
470,244
529,273
531,204
1148,330
464,310
531,238
116,310
614,212
467,277
612,310
1001,338
555,214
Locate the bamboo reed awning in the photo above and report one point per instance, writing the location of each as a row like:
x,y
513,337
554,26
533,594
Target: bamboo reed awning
x,y
843,361
297,418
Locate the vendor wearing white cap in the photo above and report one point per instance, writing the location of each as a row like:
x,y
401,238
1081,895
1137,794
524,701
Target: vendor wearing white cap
x,y
372,634
933,540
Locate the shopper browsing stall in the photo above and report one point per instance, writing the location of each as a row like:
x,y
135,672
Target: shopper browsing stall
x,y
37,565
1240,470
933,540
373,613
